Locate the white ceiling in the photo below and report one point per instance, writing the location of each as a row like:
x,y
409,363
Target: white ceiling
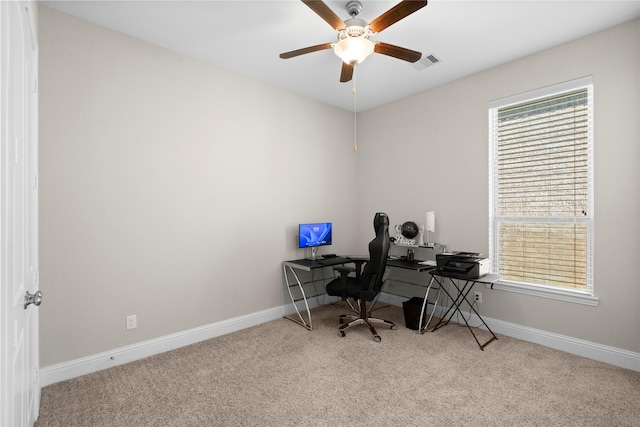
x,y
247,37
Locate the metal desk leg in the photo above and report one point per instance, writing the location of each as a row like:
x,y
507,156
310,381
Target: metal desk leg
x,y
464,292
422,330
300,319
443,320
462,296
493,336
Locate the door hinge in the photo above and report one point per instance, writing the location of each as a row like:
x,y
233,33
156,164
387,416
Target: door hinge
x,y
35,86
36,182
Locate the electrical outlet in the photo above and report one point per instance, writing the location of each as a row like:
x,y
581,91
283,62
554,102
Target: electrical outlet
x,y
478,296
132,322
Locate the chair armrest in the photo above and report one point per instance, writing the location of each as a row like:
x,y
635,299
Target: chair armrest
x,y
343,269
343,274
359,263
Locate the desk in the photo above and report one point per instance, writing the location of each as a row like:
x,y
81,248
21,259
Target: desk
x,y
289,268
292,268
461,297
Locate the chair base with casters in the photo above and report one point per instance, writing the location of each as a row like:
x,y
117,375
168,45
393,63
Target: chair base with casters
x,y
363,318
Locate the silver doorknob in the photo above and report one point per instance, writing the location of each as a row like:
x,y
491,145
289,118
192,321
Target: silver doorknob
x,y
35,299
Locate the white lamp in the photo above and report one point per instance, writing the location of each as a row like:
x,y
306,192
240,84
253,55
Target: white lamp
x,y
431,224
353,50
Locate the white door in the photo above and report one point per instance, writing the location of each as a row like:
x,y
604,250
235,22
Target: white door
x,y
19,382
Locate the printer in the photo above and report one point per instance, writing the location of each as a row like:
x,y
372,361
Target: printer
x,y
462,265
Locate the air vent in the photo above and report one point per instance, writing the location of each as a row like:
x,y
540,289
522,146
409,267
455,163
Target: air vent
x,y
426,61
432,59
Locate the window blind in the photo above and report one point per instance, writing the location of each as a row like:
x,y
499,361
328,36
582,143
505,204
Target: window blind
x,y
541,189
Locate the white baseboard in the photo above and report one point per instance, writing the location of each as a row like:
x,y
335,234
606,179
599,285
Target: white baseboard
x,y
86,365
97,362
603,353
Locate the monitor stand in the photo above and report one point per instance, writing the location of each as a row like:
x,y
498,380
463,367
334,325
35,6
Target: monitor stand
x,y
314,253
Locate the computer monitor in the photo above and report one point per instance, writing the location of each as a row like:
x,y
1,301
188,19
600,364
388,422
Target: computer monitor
x,y
313,235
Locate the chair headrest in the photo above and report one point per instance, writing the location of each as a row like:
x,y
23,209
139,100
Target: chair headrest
x,y
379,220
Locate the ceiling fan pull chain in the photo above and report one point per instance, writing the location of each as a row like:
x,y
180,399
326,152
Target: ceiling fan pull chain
x,y
355,111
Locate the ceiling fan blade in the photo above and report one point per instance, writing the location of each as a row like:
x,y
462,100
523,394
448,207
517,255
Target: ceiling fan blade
x,y
396,13
305,50
325,13
397,52
347,72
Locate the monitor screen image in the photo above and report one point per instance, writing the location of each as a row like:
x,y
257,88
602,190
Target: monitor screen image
x,y
317,234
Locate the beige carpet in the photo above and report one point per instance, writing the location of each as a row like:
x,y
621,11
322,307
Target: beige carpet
x,y
279,374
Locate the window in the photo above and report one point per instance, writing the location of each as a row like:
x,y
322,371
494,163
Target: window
x,y
541,201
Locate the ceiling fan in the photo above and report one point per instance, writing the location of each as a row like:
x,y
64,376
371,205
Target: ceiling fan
x,y
353,44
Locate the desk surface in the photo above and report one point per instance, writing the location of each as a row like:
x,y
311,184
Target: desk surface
x,y
409,265
310,264
487,279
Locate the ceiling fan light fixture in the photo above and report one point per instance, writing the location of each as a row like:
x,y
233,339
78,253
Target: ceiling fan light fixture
x,y
353,50
353,45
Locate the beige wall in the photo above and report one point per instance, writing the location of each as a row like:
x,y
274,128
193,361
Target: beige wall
x,y
161,175
171,189
437,151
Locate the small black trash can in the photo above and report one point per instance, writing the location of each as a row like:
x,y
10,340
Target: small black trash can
x,y
411,309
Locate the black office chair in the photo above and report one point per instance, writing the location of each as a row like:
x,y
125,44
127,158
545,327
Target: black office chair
x,y
366,286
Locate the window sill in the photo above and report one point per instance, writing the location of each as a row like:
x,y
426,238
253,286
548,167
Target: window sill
x,y
546,292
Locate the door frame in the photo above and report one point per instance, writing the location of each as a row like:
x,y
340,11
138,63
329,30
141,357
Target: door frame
x,y
19,336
